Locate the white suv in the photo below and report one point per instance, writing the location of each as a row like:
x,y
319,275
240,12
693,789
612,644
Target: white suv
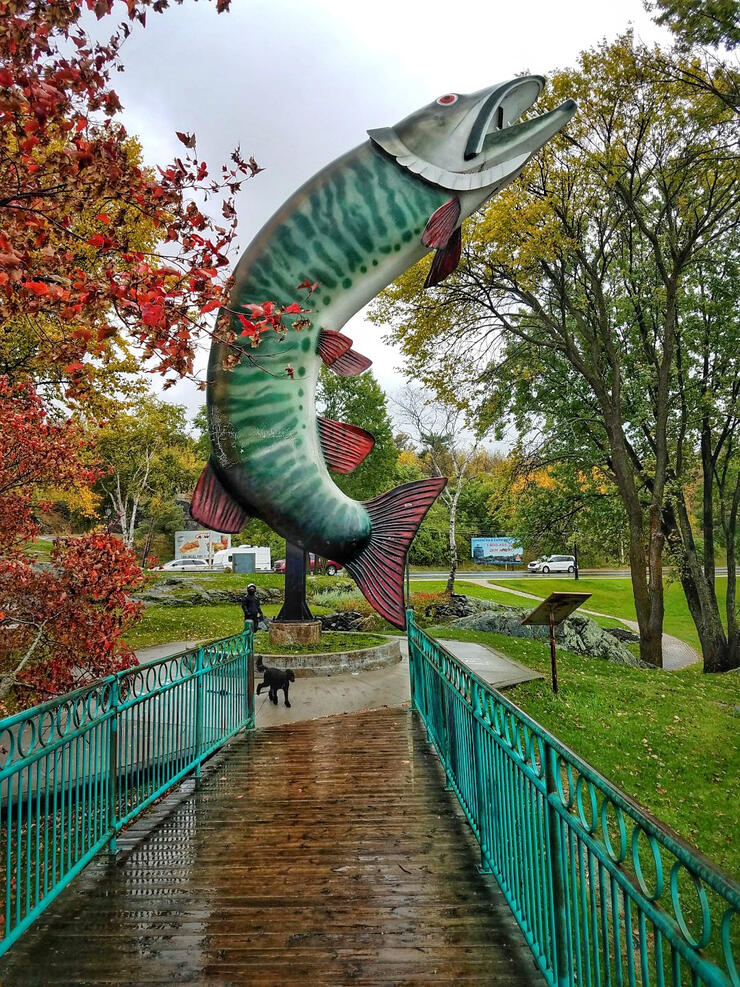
x,y
555,563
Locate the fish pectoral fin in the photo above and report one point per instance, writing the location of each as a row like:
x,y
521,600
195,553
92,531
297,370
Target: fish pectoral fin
x,y
379,568
332,346
351,364
441,224
214,507
445,260
345,446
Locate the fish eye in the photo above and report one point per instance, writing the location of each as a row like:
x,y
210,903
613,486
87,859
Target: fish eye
x,y
447,100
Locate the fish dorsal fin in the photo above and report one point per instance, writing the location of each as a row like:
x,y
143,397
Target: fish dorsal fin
x,y
445,260
213,507
378,569
332,345
345,446
351,364
441,224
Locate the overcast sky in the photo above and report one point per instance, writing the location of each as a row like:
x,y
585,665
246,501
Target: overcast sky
x,y
298,83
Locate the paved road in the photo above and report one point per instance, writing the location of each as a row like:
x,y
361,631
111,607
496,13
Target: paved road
x,y
494,573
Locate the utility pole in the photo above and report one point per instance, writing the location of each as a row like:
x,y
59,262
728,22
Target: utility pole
x,y
575,556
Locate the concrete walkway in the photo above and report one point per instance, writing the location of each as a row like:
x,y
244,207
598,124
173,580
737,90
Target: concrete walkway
x,y
328,695
676,653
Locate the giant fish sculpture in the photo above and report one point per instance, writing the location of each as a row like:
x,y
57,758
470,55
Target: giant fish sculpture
x,y
354,227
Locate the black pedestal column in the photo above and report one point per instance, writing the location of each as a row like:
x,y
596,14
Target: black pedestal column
x,y
295,606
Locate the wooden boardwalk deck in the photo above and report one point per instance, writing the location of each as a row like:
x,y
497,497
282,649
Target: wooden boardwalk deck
x,y
322,852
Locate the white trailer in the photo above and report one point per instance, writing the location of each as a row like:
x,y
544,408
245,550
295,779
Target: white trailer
x,y
262,558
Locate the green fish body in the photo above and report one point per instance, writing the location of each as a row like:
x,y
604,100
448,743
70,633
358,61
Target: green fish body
x,y
354,227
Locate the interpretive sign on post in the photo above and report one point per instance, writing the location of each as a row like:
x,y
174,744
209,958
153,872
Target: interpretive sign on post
x,y
552,611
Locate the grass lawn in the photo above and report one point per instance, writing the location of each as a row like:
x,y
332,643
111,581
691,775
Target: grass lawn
x,y
483,592
612,596
160,625
615,596
331,642
670,740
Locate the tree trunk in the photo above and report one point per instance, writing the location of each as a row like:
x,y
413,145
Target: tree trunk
x,y
9,680
644,558
655,587
698,589
731,658
147,544
707,501
450,588
730,528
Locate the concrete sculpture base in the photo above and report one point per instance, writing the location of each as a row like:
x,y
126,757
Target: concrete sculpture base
x,y
339,662
286,632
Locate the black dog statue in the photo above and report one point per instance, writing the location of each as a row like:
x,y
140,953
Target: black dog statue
x,y
274,679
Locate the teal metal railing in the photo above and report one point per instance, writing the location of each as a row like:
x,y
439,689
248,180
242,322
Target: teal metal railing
x,y
603,892
76,770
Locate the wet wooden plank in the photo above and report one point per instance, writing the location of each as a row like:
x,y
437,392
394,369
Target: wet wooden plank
x,y
322,852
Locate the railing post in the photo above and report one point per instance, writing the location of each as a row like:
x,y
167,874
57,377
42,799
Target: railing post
x,y
446,753
113,766
480,788
412,659
250,677
198,711
556,873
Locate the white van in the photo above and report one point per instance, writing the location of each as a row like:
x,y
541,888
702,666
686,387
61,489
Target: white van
x,y
262,558
553,563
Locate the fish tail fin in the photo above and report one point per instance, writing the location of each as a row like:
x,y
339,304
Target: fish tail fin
x,y
379,568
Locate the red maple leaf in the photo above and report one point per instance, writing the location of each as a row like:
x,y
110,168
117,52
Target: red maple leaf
x,y
310,285
187,139
250,329
37,287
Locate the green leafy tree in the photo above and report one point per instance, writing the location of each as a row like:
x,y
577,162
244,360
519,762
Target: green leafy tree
x,y
571,301
712,23
150,459
549,507
361,401
449,445
706,35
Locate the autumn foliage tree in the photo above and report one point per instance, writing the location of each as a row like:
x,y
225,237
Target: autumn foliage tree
x,y
104,264
60,624
74,274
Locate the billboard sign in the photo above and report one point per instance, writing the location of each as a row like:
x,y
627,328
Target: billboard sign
x,y
496,551
200,544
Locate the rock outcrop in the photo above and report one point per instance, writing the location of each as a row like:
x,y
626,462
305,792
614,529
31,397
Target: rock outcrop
x,y
577,633
188,592
344,620
457,606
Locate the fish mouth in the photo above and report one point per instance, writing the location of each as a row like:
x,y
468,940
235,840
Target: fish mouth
x,y
495,137
500,106
496,148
